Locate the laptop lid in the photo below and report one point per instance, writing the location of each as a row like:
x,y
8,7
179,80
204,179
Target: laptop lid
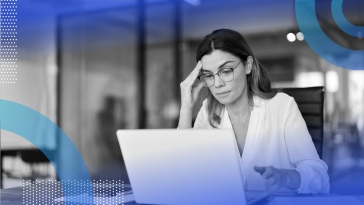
x,y
190,166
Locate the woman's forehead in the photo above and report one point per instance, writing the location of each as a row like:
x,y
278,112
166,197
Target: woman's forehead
x,y
217,58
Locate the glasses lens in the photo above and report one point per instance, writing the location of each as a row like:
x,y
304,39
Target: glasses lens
x,y
227,75
208,79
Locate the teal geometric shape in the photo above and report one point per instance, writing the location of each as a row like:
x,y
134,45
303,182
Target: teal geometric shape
x,y
19,119
342,22
320,43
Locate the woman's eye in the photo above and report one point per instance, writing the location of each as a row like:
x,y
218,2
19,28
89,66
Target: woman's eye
x,y
227,71
208,76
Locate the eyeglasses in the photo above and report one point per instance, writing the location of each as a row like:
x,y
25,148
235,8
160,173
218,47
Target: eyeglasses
x,y
226,75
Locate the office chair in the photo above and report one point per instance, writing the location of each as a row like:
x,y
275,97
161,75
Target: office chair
x,y
310,102
35,157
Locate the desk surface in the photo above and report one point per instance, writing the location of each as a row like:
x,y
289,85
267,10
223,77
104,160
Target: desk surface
x,y
14,196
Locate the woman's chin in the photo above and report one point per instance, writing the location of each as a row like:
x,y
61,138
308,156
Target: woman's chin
x,y
224,101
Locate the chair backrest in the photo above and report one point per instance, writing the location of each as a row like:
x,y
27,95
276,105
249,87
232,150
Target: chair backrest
x,y
310,102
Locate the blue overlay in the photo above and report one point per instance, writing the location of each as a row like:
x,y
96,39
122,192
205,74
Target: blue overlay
x,y
19,119
345,25
320,43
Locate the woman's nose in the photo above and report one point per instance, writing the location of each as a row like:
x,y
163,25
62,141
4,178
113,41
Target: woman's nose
x,y
218,81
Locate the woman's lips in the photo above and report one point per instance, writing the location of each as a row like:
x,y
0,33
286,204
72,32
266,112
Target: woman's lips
x,y
223,94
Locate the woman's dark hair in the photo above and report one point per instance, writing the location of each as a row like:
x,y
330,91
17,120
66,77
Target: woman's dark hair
x,y
258,81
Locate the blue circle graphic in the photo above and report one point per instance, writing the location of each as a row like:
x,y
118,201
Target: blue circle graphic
x,y
19,119
342,22
320,43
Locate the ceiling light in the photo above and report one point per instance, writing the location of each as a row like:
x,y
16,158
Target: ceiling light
x,y
300,36
291,37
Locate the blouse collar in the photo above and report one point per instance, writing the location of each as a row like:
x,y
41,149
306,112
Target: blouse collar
x,y
226,123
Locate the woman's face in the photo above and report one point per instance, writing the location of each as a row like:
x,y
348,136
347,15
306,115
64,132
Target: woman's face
x,y
226,92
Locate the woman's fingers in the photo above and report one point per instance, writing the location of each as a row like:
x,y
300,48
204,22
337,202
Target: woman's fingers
x,y
272,177
189,92
268,172
270,181
194,74
260,170
272,184
264,171
196,90
198,67
273,187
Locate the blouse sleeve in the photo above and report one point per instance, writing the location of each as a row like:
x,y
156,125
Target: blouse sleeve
x,y
202,121
302,152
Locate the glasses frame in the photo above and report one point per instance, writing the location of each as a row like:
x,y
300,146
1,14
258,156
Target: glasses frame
x,y
218,73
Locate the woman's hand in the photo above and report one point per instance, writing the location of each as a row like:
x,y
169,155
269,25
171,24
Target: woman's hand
x,y
275,179
189,93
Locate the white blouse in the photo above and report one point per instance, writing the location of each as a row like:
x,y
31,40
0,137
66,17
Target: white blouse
x,y
277,136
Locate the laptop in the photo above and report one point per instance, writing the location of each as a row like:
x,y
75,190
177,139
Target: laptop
x,y
176,167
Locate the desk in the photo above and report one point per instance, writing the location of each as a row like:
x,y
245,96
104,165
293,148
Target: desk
x,y
14,196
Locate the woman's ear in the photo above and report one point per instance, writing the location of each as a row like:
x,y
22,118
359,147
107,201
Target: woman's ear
x,y
249,65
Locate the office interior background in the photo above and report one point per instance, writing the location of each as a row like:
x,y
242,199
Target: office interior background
x,y
94,68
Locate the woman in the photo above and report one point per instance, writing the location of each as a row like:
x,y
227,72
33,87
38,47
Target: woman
x,y
276,149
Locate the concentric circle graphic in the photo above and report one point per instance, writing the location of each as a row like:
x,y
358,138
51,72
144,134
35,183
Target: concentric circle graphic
x,y
345,25
19,119
323,45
